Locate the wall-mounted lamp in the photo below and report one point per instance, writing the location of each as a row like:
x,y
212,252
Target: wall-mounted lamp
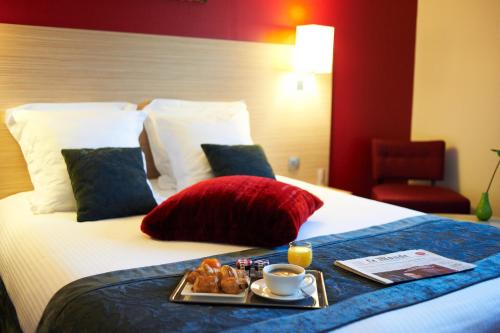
x,y
313,51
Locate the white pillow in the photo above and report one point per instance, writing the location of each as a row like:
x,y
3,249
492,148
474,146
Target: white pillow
x,y
176,129
96,106
167,180
42,135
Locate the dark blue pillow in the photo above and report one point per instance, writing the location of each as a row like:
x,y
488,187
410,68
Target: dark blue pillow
x,y
108,182
248,160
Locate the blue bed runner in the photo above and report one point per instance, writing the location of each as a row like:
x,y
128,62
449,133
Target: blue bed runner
x,y
136,300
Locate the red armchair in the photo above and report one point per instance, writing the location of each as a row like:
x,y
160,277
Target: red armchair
x,y
395,162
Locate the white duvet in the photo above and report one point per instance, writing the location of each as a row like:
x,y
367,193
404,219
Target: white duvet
x,y
39,254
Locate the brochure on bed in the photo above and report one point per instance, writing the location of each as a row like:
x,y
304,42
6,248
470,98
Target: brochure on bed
x,y
136,300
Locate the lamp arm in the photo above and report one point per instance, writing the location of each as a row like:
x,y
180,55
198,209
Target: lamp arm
x,y
493,176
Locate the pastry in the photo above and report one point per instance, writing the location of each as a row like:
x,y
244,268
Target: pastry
x,y
232,281
230,285
210,277
206,284
212,262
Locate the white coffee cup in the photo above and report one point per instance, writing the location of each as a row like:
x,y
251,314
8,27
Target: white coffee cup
x,y
286,285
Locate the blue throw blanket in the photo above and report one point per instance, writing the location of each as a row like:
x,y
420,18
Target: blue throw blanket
x,y
136,300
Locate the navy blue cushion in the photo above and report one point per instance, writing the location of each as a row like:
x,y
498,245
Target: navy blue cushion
x,y
246,160
108,182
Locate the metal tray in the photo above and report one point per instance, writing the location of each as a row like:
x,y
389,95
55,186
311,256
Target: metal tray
x,y
317,300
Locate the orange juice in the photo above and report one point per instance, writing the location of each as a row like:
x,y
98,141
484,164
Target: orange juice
x,y
300,255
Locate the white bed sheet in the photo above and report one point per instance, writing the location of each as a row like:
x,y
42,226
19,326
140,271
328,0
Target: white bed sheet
x,y
39,254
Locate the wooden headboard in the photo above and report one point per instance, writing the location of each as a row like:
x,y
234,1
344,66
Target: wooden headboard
x,y
40,64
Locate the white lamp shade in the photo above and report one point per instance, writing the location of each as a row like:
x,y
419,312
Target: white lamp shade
x,y
314,49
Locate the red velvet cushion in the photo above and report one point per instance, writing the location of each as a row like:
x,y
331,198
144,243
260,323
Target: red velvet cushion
x,y
242,210
429,199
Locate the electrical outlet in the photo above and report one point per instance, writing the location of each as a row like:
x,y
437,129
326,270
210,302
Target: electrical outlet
x,y
293,163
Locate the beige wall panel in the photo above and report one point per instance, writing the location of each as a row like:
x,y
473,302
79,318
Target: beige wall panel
x,y
39,64
457,89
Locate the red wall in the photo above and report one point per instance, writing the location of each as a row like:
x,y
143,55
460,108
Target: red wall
x,y
374,53
253,20
373,84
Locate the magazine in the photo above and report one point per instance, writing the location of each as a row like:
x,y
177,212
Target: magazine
x,y
403,266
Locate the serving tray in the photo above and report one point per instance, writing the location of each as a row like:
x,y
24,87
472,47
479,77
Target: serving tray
x,y
317,300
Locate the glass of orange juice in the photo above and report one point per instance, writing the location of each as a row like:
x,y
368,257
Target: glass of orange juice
x,y
300,253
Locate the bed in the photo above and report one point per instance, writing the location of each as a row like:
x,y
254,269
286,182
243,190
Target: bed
x,y
55,252
42,254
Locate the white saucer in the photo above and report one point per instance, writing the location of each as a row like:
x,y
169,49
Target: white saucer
x,y
259,288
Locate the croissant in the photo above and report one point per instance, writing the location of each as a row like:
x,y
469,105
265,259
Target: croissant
x,y
232,282
210,277
206,284
228,271
202,270
192,276
230,285
212,262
